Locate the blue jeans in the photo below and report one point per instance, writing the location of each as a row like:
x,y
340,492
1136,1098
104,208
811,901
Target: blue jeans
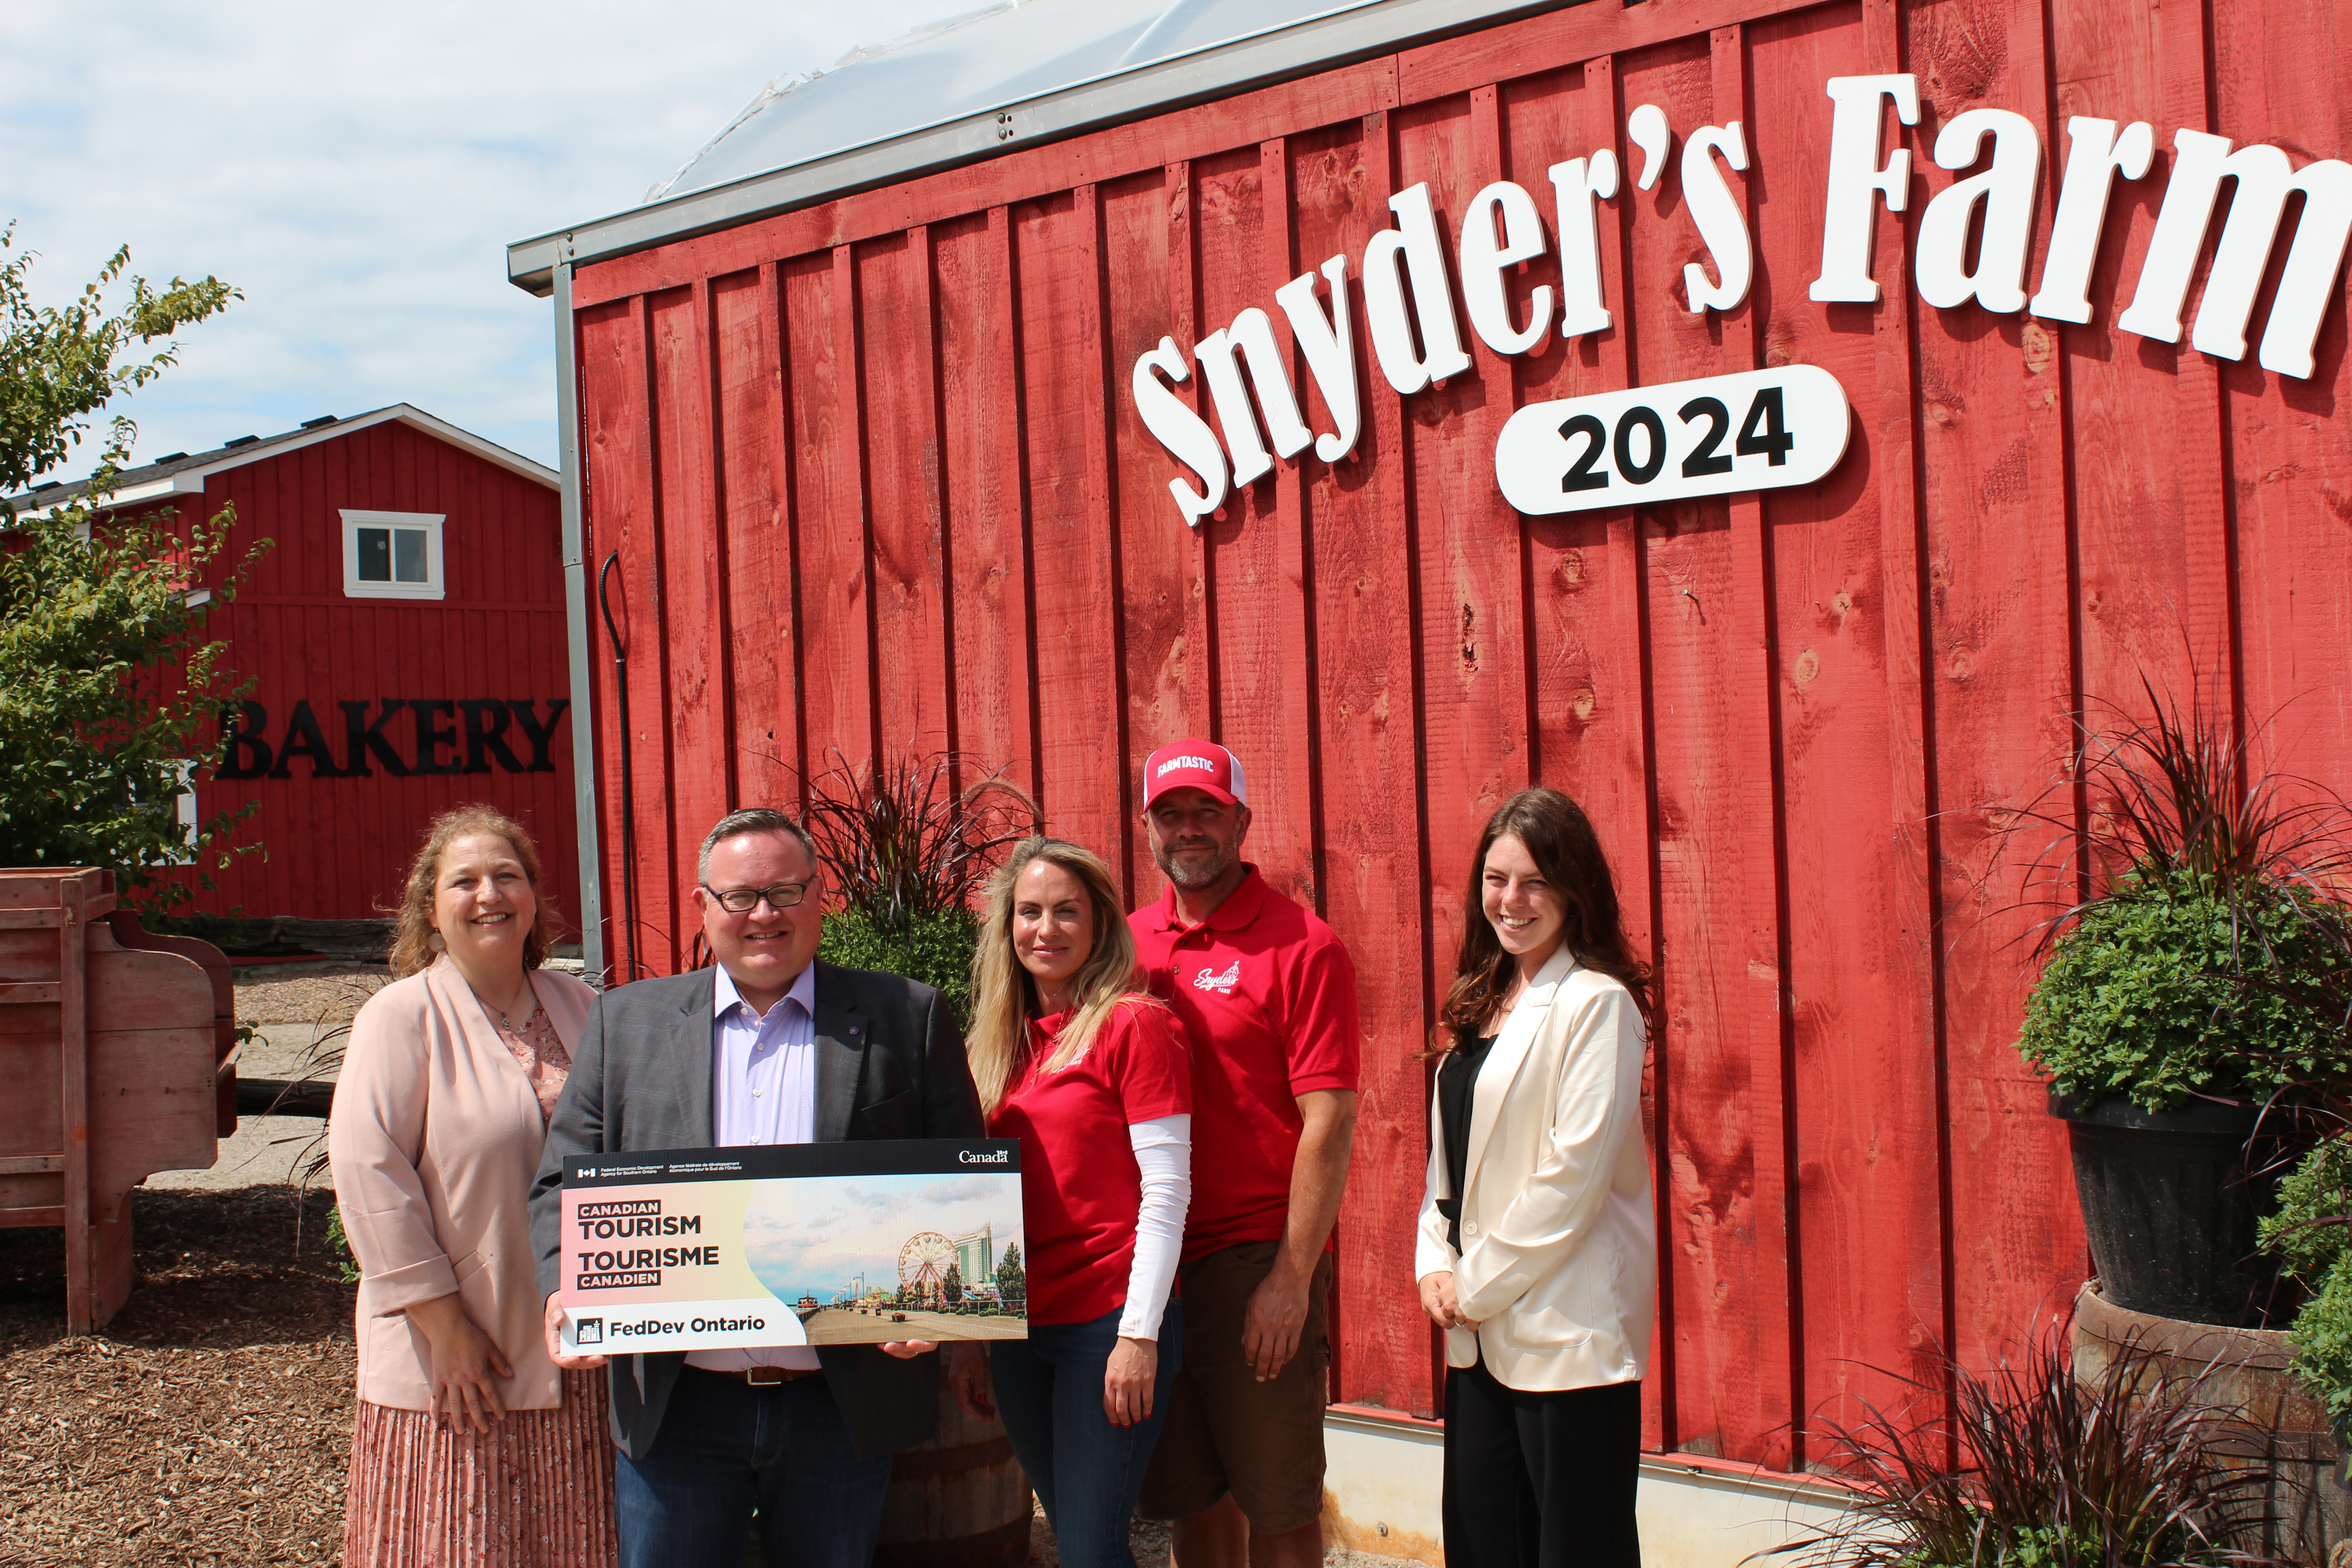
x,y
1049,1389
725,1448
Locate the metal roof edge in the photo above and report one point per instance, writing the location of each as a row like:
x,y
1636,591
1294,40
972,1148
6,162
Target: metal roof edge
x,y
173,484
406,414
1318,43
190,480
489,451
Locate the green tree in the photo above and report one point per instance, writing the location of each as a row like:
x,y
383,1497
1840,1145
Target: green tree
x,y
952,1288
1012,1284
106,684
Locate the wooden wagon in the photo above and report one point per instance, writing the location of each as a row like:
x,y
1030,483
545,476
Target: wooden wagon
x,y
118,1051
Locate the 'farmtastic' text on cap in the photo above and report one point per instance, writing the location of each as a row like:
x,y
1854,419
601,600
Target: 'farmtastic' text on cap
x,y
1194,763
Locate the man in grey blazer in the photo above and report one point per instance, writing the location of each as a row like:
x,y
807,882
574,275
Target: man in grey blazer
x,y
766,1046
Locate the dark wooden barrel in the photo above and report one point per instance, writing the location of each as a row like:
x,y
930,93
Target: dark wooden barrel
x,y
959,1500
2246,1370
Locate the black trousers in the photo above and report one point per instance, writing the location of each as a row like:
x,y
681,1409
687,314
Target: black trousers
x,y
1541,1480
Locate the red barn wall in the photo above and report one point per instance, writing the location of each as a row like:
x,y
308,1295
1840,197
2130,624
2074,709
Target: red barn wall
x,y
336,847
876,483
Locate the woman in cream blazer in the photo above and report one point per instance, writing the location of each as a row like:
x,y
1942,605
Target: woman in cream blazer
x,y
469,1445
1538,1247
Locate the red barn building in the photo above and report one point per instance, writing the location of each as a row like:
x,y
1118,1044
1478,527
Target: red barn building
x,y
1999,351
404,635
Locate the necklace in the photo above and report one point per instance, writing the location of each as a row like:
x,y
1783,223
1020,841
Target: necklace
x,y
505,1021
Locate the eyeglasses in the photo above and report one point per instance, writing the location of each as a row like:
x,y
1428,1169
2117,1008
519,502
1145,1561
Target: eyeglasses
x,y
743,900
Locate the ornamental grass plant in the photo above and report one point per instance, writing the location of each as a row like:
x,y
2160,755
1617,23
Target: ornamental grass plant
x,y
2035,1468
904,838
906,847
2180,792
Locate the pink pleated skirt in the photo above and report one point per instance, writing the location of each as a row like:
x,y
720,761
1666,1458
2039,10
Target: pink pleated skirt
x,y
536,1492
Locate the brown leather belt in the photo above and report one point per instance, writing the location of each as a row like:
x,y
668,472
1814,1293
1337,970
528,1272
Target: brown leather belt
x,y
764,1376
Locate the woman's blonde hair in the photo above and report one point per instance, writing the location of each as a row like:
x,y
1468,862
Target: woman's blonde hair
x,y
1005,996
412,933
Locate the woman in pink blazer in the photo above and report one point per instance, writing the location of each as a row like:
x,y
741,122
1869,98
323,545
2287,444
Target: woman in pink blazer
x,y
470,1446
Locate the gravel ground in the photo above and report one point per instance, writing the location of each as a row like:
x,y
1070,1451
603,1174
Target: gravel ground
x,y
1148,1541
320,994
267,1150
298,1014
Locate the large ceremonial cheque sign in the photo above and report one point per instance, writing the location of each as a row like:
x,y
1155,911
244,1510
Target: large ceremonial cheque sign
x,y
802,1243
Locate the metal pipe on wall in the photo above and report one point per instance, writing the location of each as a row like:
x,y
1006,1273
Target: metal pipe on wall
x,y
575,621
628,793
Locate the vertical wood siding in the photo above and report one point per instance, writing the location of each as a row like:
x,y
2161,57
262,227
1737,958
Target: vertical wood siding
x,y
883,450
337,848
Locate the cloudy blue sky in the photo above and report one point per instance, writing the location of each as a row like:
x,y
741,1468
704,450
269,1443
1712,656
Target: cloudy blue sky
x,y
816,1233
358,172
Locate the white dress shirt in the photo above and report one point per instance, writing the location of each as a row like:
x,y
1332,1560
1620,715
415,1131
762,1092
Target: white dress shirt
x,y
762,1091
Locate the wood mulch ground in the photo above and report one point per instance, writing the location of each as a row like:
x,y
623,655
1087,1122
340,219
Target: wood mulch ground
x,y
209,1425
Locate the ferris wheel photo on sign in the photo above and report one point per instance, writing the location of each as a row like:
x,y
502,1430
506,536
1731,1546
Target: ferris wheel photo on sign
x,y
1755,430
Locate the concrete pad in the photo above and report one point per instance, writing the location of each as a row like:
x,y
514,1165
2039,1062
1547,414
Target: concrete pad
x,y
1384,1488
266,1148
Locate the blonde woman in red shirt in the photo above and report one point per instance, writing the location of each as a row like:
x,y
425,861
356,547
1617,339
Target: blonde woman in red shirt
x,y
1093,1075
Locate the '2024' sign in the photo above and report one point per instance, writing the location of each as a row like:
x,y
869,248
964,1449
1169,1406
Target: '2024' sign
x,y
1758,429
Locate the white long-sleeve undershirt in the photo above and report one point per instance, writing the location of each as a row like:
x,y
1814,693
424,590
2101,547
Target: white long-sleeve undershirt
x,y
1164,1155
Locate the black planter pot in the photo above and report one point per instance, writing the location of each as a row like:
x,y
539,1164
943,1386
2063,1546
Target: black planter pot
x,y
2169,1203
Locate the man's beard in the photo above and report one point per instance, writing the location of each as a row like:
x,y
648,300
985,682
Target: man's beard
x,y
1202,878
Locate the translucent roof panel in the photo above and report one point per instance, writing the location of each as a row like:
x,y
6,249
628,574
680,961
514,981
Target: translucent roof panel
x,y
989,59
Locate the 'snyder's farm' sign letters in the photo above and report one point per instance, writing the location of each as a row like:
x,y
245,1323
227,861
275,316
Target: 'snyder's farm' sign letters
x,y
1764,429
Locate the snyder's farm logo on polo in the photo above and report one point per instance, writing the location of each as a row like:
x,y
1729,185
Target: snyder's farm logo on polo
x,y
1221,984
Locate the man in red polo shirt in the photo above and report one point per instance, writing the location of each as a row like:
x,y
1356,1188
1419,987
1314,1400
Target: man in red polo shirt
x,y
1269,995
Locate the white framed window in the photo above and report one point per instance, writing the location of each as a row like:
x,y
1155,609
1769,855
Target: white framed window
x,y
392,555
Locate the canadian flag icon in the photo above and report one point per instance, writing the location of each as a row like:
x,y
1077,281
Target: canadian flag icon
x,y
1223,983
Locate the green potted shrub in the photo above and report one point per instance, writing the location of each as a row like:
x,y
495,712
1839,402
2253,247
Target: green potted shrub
x,y
2307,1233
2158,1017
2310,1232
